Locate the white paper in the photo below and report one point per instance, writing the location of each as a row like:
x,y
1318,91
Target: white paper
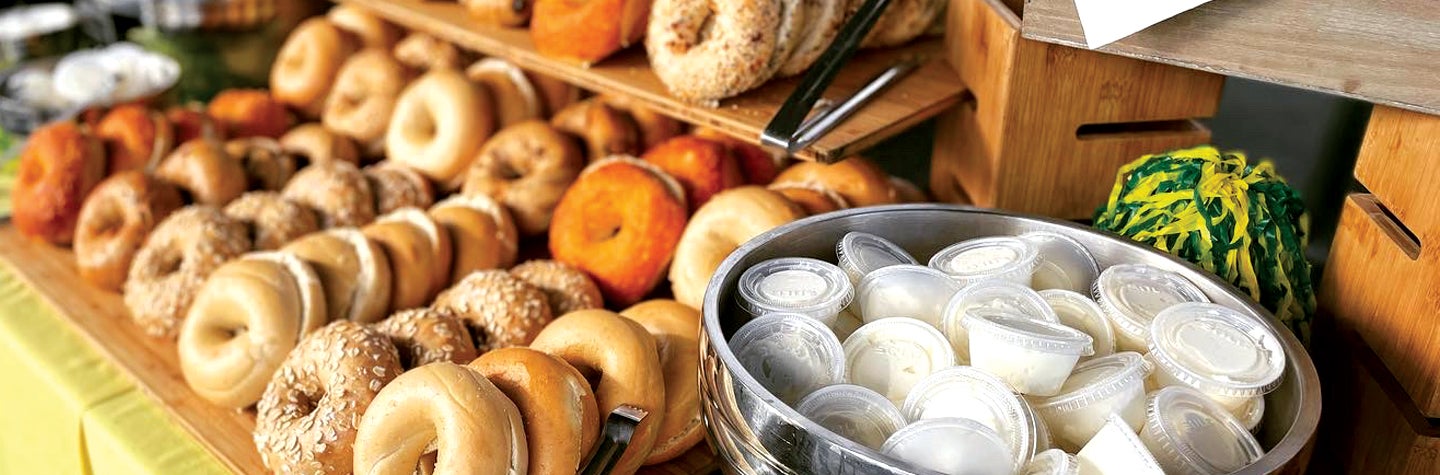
x,y
1106,21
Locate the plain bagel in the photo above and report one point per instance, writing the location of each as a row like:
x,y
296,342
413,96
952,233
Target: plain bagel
x,y
313,143
481,231
527,167
561,417
676,328
439,124
353,270
717,229
306,65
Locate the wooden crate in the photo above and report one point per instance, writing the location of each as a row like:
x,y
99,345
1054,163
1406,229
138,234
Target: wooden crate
x,y
1046,127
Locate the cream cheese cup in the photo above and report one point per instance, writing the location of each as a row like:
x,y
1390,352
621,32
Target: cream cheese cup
x,y
1132,294
789,354
891,355
969,393
1079,312
1052,462
1190,434
1251,414
1097,388
951,445
805,286
1226,355
853,412
1033,356
905,291
1063,263
1117,450
862,253
1004,258
992,294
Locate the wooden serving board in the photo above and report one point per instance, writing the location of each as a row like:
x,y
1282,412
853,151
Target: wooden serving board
x,y
924,93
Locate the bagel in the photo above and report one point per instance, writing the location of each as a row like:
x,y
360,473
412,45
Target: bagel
x,y
353,270
702,167
397,186
907,192
500,12
717,229
367,89
510,90
306,64
703,65
419,255
604,130
557,406
174,262
566,288
501,310
587,31
135,137
793,24
445,409
58,168
654,128
313,143
526,167
246,318
620,223
624,356
114,222
273,220
425,336
428,53
481,232
267,165
191,122
856,179
371,30
309,417
337,191
824,19
903,20
556,94
205,171
676,329
244,113
439,124
758,165
814,199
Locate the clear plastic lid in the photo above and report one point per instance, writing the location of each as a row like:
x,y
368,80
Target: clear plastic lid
x,y
1043,439
905,291
1079,312
951,445
992,294
853,412
1117,449
891,355
1099,379
1028,333
795,284
1005,258
1063,263
1190,434
1132,294
1252,413
1052,462
970,393
1217,350
789,354
862,253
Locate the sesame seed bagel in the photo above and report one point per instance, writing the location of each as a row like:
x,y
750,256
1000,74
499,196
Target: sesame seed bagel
x,y
705,64
337,191
177,257
424,336
903,20
558,408
566,288
501,310
794,18
824,19
273,220
267,165
397,186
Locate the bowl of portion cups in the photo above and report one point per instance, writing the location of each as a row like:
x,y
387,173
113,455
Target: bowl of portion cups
x,y
756,431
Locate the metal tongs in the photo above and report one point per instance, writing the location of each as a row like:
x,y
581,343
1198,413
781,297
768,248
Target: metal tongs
x,y
789,130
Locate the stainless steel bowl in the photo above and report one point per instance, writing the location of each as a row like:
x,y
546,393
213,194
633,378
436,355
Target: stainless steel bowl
x,y
756,433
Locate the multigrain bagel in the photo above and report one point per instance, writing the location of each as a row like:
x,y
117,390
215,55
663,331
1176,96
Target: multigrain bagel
x,y
527,167
903,20
481,232
625,357
794,21
447,410
306,64
273,220
501,310
717,229
246,318
587,31
397,186
605,130
418,250
424,336
824,19
117,217
566,288
367,89
812,198
336,191
558,408
313,143
676,329
267,165
731,58
427,53
135,137
307,420
439,124
177,257
515,99
856,179
372,31
205,171
703,167
655,128
620,223
353,270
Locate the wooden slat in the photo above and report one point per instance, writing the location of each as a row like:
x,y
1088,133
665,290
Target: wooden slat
x,y
1381,51
921,95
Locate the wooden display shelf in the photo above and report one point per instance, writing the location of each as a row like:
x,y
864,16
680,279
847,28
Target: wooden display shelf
x,y
924,93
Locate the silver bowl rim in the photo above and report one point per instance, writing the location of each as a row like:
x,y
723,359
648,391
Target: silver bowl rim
x,y
1306,421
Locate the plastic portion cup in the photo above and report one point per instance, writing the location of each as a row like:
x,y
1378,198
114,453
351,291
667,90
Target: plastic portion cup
x,y
1251,414
1097,388
1117,450
846,323
789,354
1043,440
905,291
1004,258
951,445
1034,357
1132,295
1227,355
1052,462
1063,263
810,287
969,393
862,253
991,294
853,412
891,355
1079,312
1190,434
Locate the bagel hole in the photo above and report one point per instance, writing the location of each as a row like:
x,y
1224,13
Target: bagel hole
x,y
508,171
169,263
421,127
600,232
110,223
592,375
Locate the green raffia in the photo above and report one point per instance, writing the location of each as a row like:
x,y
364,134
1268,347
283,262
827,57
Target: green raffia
x,y
1242,222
